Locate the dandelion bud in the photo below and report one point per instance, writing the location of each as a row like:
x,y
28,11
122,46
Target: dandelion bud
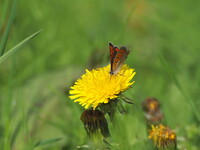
x,y
95,122
151,107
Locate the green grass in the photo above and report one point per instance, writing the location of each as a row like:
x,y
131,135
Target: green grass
x,y
35,111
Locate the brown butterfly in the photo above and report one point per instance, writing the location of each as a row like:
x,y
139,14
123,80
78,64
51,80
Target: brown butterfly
x,y
117,57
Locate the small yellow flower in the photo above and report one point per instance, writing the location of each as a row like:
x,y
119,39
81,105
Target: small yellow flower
x,y
99,86
162,136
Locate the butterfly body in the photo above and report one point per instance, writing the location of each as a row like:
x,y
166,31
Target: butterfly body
x,y
117,57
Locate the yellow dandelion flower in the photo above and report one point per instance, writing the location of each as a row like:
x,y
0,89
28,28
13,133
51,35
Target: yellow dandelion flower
x,y
162,136
99,86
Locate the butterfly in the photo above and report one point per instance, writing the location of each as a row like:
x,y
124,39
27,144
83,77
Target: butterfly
x,y
117,57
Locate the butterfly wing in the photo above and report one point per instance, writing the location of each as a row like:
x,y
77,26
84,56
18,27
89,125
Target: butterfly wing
x,y
113,53
117,57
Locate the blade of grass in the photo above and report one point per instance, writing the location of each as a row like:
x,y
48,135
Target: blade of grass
x,y
7,30
3,15
47,141
17,47
180,88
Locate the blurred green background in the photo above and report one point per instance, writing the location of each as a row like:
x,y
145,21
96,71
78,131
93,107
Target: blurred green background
x,y
163,36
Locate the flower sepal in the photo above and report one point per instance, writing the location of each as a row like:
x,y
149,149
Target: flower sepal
x,y
115,105
126,99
